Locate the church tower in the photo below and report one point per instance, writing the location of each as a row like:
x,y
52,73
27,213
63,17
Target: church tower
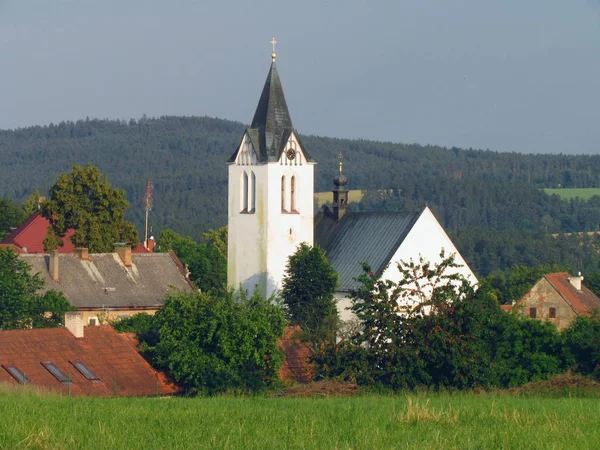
x,y
271,185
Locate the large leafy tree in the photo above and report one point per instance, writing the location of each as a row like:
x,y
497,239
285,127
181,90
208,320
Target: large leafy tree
x,y
307,292
20,304
432,329
206,262
212,344
11,215
84,200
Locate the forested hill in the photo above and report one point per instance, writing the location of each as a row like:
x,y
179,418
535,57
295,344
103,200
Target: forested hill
x,y
185,156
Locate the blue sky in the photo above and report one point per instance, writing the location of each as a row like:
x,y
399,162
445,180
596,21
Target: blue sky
x,y
510,76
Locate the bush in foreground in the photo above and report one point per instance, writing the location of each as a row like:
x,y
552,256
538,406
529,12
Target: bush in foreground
x,y
210,344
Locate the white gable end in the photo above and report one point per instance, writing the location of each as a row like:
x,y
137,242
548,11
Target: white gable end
x,y
246,154
292,147
426,240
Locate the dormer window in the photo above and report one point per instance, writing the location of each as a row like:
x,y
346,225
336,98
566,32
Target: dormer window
x,y
17,374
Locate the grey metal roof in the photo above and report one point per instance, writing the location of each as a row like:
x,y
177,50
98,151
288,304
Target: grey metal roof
x,y
371,237
272,125
104,281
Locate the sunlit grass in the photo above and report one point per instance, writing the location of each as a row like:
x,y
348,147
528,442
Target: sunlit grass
x,y
569,193
372,421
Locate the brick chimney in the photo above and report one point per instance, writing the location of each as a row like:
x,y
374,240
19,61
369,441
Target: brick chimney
x,y
576,281
82,253
124,252
74,323
53,264
151,244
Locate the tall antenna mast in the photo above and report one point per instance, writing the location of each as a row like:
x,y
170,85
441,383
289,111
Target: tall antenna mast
x,y
148,204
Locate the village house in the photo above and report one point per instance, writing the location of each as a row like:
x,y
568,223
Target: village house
x,y
558,298
79,361
109,286
29,238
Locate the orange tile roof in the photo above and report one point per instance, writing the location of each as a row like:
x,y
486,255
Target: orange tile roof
x,y
108,355
582,301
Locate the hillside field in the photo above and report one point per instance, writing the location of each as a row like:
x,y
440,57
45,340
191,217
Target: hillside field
x,y
569,193
449,421
354,195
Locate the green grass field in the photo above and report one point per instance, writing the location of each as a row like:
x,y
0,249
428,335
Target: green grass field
x,y
567,194
355,195
440,421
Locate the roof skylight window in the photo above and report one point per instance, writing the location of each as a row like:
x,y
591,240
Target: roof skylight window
x,y
17,374
85,371
50,367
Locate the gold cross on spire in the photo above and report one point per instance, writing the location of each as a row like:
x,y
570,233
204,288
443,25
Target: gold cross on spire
x,y
273,55
341,157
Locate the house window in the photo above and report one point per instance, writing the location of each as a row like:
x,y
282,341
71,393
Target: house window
x,y
82,368
55,371
93,322
17,374
552,313
532,313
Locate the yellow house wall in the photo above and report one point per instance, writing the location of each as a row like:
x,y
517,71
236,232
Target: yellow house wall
x,y
111,315
543,297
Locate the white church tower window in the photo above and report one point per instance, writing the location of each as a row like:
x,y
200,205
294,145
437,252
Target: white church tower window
x,y
293,194
263,232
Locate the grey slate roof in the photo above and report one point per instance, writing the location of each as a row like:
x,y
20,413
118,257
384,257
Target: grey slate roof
x,y
371,237
104,282
272,125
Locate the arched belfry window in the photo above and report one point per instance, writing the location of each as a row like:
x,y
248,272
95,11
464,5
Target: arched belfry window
x,y
252,201
293,194
244,192
283,208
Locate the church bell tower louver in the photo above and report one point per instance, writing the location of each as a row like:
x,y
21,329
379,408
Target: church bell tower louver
x,y
270,199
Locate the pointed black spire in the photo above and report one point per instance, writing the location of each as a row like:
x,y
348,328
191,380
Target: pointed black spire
x,y
272,125
272,118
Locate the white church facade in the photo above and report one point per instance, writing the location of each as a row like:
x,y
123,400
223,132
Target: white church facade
x,y
271,211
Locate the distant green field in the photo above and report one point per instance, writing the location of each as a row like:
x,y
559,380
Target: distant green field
x,y
440,421
568,194
355,195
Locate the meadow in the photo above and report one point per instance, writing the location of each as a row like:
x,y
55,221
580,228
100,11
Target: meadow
x,y
569,193
354,195
437,421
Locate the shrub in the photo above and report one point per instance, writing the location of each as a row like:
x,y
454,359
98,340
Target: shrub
x,y
211,344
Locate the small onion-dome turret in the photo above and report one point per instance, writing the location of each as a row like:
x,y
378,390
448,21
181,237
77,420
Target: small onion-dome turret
x,y
340,180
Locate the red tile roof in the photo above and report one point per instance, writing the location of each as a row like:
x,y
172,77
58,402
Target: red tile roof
x,y
108,355
296,365
30,235
582,301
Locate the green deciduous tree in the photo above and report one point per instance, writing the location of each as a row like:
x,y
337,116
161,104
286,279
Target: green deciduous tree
x,y
84,200
211,344
20,304
582,339
11,215
432,329
33,203
206,262
307,293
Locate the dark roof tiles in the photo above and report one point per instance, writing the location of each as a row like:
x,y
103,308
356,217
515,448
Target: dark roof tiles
x,y
103,280
371,237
